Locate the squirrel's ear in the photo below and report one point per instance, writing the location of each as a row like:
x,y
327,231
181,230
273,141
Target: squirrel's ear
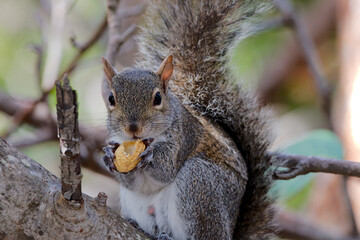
x,y
109,70
165,70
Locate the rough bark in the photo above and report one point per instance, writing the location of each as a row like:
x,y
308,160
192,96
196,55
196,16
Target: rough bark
x,y
68,131
31,206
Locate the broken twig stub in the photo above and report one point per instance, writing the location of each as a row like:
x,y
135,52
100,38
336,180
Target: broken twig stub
x,y
68,133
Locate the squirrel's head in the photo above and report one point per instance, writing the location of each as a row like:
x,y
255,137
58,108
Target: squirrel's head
x,y
138,102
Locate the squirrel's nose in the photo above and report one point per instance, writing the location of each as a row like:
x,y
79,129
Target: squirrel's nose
x,y
133,127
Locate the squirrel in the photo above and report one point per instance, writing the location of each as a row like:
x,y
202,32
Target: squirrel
x,y
205,172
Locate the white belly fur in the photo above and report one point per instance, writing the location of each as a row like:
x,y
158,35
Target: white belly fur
x,y
135,205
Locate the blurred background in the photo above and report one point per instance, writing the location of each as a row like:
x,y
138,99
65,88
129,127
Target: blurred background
x,y
42,39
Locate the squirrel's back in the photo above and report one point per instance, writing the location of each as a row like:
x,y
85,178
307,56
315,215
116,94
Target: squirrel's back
x,y
199,35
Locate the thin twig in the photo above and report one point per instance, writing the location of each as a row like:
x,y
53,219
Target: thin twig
x,y
290,53
38,50
83,48
13,105
299,165
123,13
22,114
20,117
130,11
121,38
116,36
93,141
17,120
309,50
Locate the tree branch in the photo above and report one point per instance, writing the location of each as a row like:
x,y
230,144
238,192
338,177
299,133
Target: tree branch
x,y
40,135
32,206
32,197
93,140
290,53
299,165
38,50
116,36
296,228
12,105
309,51
349,206
130,11
83,48
321,82
22,114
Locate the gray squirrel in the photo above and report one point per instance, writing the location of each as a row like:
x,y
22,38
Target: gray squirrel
x,y
205,173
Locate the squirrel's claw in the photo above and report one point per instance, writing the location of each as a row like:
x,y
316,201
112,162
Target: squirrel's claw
x,y
163,236
146,157
108,162
113,145
109,156
147,141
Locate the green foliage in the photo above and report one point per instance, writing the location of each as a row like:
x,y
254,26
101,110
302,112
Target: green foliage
x,y
323,143
251,54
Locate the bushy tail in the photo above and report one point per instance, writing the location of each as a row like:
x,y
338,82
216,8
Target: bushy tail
x,y
241,117
200,34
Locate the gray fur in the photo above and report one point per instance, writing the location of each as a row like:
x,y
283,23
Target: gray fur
x,y
200,34
221,194
209,175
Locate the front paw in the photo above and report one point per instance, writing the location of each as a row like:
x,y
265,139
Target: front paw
x,y
109,155
147,155
164,236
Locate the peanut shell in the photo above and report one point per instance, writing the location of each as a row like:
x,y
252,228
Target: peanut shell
x,y
127,154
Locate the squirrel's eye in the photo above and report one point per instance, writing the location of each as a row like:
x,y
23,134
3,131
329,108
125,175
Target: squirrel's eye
x,y
112,99
157,99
